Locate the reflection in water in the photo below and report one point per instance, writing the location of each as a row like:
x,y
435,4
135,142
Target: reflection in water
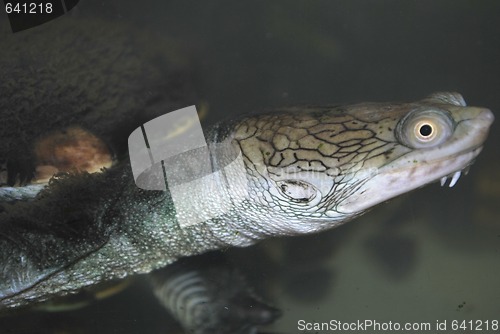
x,y
206,294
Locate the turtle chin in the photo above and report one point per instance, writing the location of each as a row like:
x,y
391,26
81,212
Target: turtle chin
x,y
388,182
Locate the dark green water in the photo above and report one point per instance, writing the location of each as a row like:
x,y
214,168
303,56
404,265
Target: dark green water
x,y
432,255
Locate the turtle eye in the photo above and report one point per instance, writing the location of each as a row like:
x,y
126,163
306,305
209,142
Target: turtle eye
x,y
425,128
297,191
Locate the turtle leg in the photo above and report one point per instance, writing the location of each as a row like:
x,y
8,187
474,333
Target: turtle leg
x,y
208,296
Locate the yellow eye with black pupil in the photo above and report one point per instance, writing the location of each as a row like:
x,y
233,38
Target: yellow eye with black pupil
x,y
425,128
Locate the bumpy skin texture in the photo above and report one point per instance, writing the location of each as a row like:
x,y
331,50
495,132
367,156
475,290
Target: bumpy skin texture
x,y
85,229
300,167
327,141
101,76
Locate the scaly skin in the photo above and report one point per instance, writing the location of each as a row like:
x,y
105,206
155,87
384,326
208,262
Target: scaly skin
x,y
305,170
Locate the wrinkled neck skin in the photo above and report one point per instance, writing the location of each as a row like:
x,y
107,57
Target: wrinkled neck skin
x,y
228,206
302,170
290,172
266,190
247,191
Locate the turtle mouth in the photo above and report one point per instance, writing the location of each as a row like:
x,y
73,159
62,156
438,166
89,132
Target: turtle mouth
x,y
421,167
446,163
455,176
448,170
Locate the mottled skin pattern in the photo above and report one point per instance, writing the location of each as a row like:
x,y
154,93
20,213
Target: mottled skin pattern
x,y
326,141
306,169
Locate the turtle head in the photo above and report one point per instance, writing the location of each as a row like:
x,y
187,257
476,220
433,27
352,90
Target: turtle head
x,y
316,167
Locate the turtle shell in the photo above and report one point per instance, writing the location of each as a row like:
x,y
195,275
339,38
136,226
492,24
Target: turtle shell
x,y
71,95
95,79
72,92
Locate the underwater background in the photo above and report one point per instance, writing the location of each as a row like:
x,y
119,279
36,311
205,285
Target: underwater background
x,y
430,255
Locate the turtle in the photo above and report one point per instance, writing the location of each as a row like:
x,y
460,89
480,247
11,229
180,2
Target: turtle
x,y
68,105
282,172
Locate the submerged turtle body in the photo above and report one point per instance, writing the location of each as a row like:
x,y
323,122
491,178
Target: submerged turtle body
x,y
292,171
68,105
102,77
305,170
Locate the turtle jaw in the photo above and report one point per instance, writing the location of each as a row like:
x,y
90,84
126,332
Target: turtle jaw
x,y
423,166
389,183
